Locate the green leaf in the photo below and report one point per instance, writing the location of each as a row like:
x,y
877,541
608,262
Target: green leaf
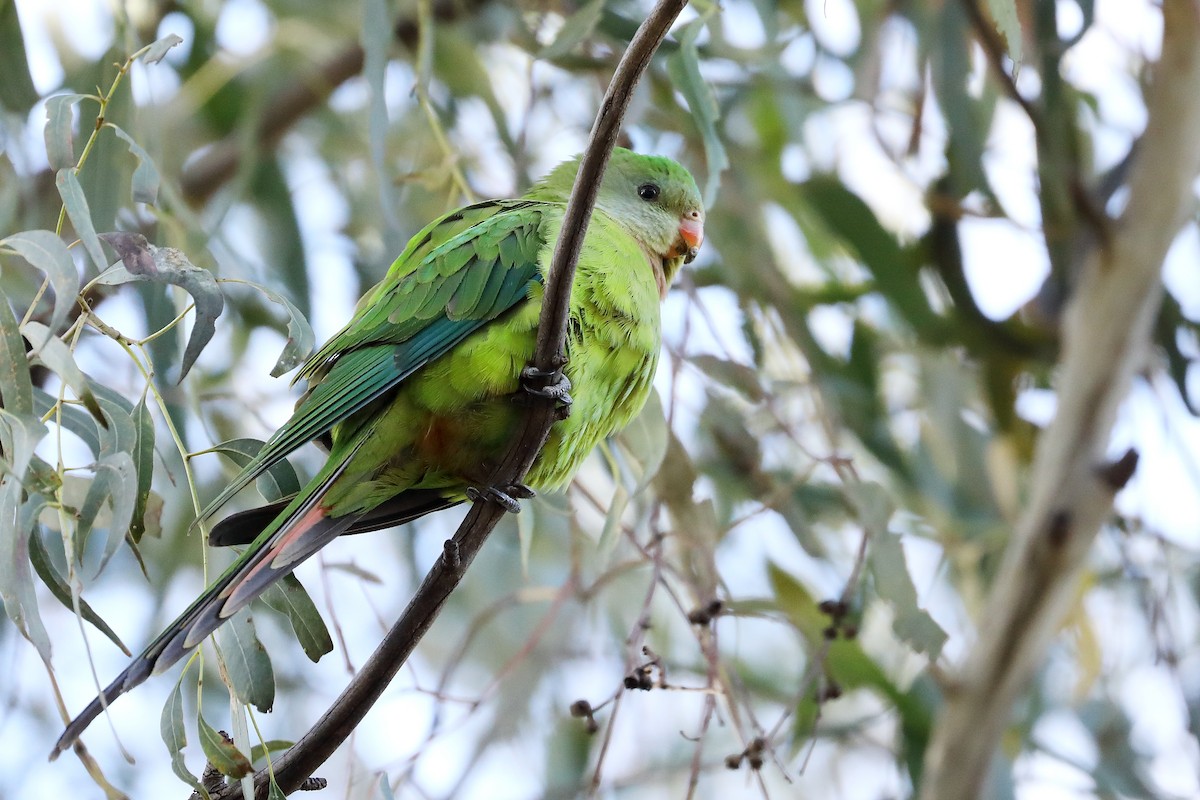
x,y
575,29
120,436
1004,15
145,182
301,338
54,354
19,436
889,569
16,387
683,67
157,51
60,130
259,751
174,735
76,204
278,482
247,662
644,442
222,753
143,462
17,92
893,267
115,483
273,790
46,252
289,598
142,261
39,557
745,380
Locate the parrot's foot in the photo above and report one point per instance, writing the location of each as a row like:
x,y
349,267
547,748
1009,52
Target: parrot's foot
x,y
507,496
557,387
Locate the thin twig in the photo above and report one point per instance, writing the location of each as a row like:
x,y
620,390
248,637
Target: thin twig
x,y
364,689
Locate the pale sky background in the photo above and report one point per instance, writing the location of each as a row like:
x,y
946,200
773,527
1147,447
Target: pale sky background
x,y
1005,263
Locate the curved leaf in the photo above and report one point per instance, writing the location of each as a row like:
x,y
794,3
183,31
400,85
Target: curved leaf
x,y
247,662
76,204
142,261
45,251
54,354
16,387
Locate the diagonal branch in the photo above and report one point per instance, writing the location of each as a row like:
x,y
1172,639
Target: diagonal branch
x,y
365,688
1106,334
220,162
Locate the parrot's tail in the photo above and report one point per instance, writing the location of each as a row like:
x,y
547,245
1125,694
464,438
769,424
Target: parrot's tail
x,y
300,529
244,527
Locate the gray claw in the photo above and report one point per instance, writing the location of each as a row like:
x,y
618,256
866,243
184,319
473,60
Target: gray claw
x,y
558,389
506,497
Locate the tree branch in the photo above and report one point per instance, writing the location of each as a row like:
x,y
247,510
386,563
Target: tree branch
x,y
1106,334
365,688
221,161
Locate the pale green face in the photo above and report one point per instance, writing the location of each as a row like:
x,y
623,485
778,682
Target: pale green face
x,y
658,200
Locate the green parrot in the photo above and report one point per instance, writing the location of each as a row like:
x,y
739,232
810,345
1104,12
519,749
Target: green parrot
x,y
414,397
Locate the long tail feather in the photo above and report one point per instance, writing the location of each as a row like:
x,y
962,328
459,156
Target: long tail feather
x,y
244,527
300,530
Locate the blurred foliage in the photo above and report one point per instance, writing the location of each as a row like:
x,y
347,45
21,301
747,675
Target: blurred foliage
x,y
835,399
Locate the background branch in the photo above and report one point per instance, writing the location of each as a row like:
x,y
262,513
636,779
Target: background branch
x,y
365,688
221,161
1106,335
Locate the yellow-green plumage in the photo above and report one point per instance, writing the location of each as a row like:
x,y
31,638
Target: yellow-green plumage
x,y
415,396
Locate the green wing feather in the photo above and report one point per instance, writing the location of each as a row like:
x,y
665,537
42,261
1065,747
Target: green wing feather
x,y
457,275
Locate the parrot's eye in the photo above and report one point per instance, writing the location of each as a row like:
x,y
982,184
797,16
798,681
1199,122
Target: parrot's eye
x,y
648,192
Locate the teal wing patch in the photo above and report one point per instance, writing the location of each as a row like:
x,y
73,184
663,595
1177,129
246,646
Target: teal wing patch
x,y
455,277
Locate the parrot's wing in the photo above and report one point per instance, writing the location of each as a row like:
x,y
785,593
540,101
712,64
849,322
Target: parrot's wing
x,y
456,276
465,271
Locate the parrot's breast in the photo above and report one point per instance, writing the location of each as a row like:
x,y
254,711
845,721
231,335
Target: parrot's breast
x,y
449,424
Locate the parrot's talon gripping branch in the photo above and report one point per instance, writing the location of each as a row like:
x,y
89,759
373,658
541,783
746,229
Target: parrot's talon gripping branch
x,y
508,497
554,386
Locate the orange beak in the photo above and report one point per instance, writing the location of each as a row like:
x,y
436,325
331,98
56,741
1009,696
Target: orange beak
x,y
691,230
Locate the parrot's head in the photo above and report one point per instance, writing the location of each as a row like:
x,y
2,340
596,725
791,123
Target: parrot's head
x,y
654,198
659,201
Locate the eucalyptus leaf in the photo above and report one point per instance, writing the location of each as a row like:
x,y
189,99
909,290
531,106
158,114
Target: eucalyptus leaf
x,y
575,29
221,753
142,261
76,204
889,569
289,598
1004,15
247,662
17,92
115,483
143,462
19,436
683,66
158,50
60,130
54,354
39,557
277,482
301,338
174,735
16,386
45,251
145,182
120,435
